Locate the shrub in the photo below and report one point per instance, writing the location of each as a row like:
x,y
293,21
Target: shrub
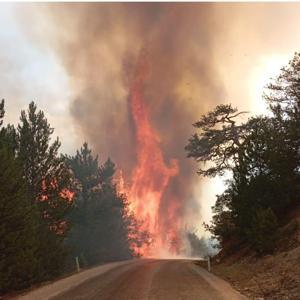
x,y
263,231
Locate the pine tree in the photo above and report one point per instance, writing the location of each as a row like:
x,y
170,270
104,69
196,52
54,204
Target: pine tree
x,y
219,141
18,243
49,182
85,213
116,220
99,232
264,157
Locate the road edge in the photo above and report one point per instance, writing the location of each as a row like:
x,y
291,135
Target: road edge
x,y
60,286
219,284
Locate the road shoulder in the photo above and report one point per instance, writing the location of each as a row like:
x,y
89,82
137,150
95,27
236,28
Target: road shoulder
x,y
219,284
53,289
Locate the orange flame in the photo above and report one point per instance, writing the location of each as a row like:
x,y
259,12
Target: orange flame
x,y
57,226
151,175
65,193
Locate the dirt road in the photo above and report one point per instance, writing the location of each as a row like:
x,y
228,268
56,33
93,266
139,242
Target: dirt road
x,y
153,279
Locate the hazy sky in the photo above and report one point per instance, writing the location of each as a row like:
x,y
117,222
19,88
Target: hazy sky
x,y
29,72
53,54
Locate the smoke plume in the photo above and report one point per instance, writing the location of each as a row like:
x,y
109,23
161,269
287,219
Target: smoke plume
x,y
100,45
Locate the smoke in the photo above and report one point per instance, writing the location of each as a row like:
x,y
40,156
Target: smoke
x,y
199,247
99,44
197,55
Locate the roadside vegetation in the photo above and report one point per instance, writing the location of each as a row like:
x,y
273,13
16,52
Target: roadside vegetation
x,y
256,215
55,207
263,156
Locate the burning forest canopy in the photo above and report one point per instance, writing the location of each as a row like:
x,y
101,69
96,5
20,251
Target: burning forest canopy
x,y
137,76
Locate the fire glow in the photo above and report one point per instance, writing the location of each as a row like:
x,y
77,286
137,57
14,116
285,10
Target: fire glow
x,y
151,174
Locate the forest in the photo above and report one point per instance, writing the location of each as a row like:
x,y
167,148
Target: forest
x,y
262,157
54,208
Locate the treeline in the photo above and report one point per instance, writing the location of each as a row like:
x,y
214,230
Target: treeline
x,y
55,207
263,156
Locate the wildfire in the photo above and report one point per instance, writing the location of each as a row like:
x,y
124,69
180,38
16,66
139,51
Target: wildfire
x,y
57,226
65,193
151,175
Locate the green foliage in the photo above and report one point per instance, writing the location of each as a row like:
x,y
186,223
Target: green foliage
x,y
8,136
47,178
34,182
18,243
37,206
263,155
99,211
263,231
223,226
219,141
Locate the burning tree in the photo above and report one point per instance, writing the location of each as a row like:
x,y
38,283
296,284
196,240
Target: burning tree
x,y
151,175
49,184
100,224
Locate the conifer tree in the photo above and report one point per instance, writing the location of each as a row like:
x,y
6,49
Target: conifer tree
x,y
18,243
99,231
49,184
264,157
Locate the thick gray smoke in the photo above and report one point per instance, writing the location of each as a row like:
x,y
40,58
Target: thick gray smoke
x,y
99,45
193,51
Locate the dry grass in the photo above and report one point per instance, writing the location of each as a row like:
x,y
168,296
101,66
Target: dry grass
x,y
270,277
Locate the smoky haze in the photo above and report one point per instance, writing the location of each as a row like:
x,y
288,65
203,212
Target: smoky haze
x,y
99,45
100,52
197,53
